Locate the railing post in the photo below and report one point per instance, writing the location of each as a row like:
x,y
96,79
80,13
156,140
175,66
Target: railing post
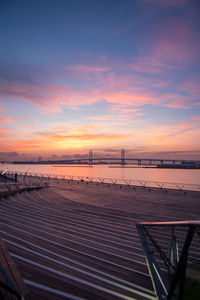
x,y
173,252
155,272
179,275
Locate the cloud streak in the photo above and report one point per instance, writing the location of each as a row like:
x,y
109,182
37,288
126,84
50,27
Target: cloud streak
x,y
53,99
7,119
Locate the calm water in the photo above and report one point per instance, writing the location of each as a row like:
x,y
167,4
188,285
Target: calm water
x,y
137,173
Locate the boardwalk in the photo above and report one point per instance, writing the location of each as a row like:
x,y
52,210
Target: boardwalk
x,y
78,249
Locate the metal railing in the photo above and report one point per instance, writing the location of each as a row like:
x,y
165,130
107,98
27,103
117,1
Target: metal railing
x,y
9,186
120,181
7,287
167,265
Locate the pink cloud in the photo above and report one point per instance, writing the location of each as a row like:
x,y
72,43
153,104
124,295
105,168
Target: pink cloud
x,y
186,125
174,46
168,2
176,100
115,119
89,69
103,118
191,87
125,90
38,94
52,99
126,110
49,98
177,47
196,118
149,64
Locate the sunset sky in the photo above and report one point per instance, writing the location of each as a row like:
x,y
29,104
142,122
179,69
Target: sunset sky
x,y
99,74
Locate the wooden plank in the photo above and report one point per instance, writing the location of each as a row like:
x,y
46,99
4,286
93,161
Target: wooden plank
x,y
9,266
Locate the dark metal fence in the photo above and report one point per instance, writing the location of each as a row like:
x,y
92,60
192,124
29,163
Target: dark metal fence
x,y
172,255
39,177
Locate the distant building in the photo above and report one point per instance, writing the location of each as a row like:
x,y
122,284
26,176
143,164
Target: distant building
x,y
182,165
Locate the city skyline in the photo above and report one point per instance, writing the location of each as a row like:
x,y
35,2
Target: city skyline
x,y
101,75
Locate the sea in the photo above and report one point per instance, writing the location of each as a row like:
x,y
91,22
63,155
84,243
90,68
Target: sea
x,y
177,178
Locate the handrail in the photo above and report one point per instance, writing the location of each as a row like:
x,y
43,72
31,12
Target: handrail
x,y
170,282
2,173
10,290
9,287
176,223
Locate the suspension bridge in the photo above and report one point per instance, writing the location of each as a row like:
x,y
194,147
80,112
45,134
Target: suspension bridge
x,y
122,160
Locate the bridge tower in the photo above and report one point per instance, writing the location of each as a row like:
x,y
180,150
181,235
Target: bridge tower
x,y
90,157
122,157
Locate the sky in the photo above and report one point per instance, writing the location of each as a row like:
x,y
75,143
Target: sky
x,y
99,74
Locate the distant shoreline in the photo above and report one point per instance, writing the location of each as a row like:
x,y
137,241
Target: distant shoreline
x,y
134,166
157,167
74,166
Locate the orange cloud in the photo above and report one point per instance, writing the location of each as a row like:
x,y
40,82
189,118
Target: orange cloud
x,y
4,134
83,137
56,142
72,128
7,119
86,136
177,137
24,145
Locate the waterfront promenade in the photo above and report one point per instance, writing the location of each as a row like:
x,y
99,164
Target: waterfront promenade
x,y
78,240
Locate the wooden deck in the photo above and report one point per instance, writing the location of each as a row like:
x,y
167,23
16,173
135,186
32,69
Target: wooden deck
x,y
71,250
